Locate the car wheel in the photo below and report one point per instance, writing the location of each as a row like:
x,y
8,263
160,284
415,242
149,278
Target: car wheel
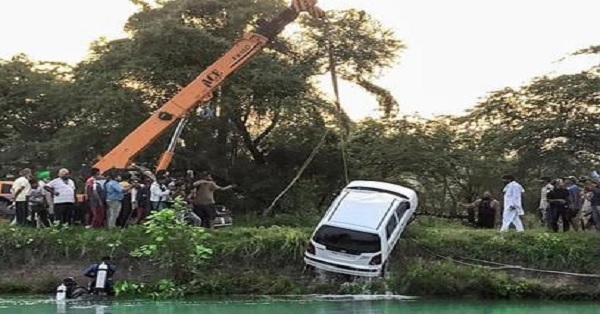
x,y
4,212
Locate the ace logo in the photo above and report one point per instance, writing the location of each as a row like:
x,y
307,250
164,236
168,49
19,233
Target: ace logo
x,y
212,78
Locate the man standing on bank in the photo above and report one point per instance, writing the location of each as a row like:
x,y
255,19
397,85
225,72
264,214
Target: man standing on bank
x,y
203,199
19,190
513,206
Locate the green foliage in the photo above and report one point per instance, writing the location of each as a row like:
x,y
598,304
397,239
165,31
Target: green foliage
x,y
573,252
358,47
299,219
361,46
444,279
267,246
269,114
163,289
174,245
23,245
258,260
425,155
551,124
32,95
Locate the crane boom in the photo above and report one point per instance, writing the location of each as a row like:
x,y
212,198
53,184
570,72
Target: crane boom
x,y
202,87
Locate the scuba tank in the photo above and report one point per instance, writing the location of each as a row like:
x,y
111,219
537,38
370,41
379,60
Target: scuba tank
x,y
61,292
101,276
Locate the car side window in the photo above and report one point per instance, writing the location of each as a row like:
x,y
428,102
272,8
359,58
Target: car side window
x,y
401,209
5,188
391,226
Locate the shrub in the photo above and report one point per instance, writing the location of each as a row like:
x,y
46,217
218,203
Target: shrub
x,y
174,245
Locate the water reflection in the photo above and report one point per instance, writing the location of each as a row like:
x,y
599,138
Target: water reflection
x,y
296,306
61,307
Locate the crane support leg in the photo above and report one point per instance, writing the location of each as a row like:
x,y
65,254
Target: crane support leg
x,y
167,156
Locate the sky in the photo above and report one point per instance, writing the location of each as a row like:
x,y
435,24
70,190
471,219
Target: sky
x,y
457,50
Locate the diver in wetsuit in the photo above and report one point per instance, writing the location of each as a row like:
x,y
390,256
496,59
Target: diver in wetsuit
x,y
72,289
101,273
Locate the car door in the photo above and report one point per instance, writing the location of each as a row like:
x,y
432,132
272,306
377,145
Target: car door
x,y
391,232
401,213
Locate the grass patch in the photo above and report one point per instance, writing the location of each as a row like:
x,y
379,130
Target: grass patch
x,y
572,251
446,279
268,260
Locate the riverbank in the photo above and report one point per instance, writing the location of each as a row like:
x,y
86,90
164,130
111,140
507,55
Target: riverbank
x,y
429,261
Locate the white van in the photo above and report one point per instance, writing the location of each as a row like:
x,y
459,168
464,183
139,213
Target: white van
x,y
361,228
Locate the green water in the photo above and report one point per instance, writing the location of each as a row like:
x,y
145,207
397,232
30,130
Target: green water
x,y
273,306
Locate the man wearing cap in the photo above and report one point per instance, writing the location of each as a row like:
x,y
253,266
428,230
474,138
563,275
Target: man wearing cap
x,y
19,190
513,207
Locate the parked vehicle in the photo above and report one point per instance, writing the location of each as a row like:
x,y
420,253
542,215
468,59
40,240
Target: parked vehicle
x,y
222,219
360,229
6,199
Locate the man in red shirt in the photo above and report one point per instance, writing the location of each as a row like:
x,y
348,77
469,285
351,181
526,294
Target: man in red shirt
x,y
95,198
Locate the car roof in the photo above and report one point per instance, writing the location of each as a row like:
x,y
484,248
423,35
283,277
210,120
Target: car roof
x,y
362,208
399,190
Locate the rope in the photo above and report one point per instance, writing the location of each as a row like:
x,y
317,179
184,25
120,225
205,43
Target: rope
x,y
338,103
299,174
334,81
501,266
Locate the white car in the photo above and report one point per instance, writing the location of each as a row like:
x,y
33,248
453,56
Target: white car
x,y
361,228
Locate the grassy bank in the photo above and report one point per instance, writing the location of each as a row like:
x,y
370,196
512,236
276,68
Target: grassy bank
x,y
268,260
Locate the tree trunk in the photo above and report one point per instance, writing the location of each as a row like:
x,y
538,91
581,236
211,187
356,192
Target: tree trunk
x,y
257,155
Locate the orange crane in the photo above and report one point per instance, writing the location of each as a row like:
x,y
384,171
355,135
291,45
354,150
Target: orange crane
x,y
200,90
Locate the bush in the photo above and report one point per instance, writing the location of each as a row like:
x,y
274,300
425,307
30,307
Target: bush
x,y
174,245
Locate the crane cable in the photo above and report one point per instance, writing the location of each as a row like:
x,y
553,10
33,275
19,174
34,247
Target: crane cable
x,y
298,175
338,104
343,129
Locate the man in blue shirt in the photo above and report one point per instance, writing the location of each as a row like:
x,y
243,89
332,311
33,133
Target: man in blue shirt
x,y
575,201
114,198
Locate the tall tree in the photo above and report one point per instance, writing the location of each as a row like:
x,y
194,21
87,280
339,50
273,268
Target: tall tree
x,y
357,47
33,107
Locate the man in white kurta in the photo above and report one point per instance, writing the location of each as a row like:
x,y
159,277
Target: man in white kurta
x,y
513,208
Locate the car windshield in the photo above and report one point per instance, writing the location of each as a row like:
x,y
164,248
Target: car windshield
x,y
347,241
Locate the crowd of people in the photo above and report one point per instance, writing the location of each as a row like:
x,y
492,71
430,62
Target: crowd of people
x,y
110,199
117,199
571,202
575,202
